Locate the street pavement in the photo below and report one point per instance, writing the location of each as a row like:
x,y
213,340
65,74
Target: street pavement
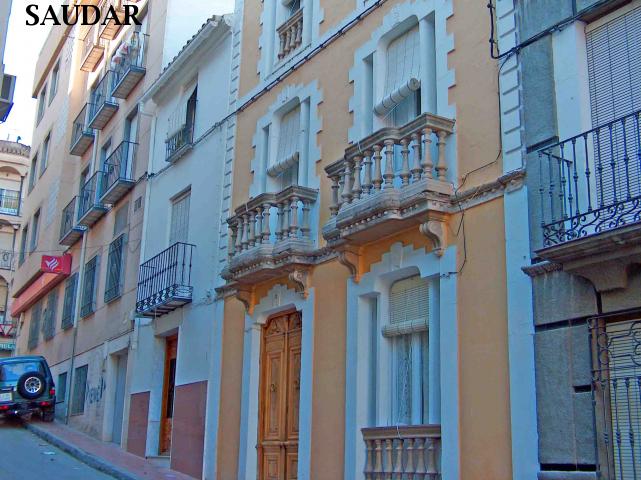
x,y
23,456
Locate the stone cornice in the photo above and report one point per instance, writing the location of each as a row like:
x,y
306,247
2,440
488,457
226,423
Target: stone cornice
x,y
15,148
539,269
489,191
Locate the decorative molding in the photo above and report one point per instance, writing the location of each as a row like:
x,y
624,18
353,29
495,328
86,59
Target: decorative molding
x,y
541,269
15,148
486,192
436,230
350,257
300,276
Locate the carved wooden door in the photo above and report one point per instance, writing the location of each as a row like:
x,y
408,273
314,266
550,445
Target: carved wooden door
x,y
168,395
280,398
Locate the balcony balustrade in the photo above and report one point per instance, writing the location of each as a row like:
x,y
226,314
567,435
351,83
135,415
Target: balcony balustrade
x,y
117,178
290,34
93,49
102,105
81,136
90,208
270,235
128,64
111,27
164,281
392,179
590,189
10,202
70,231
403,452
179,142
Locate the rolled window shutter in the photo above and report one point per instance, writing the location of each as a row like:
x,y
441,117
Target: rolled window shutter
x,y
287,155
408,307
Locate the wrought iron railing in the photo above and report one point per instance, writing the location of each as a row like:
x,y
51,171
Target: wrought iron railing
x,y
403,452
177,140
165,277
90,41
10,202
131,53
80,126
101,94
88,197
591,183
616,389
119,165
68,219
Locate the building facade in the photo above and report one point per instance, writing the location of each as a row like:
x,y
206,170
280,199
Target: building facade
x,y
366,328
577,68
85,204
14,165
175,374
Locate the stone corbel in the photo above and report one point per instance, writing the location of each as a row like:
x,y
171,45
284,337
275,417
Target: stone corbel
x,y
300,277
436,230
350,256
246,296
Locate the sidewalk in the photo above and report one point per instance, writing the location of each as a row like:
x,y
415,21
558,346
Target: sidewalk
x,y
105,457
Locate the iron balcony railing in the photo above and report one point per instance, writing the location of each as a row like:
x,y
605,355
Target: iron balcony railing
x,y
177,141
10,202
101,98
164,281
129,58
88,197
80,132
591,183
118,166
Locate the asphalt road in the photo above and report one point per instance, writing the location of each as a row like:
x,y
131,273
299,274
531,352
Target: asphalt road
x,y
23,456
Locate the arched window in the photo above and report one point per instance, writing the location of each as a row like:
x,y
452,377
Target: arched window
x,y
408,331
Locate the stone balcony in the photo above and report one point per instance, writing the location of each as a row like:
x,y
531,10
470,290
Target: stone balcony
x,y
391,180
290,34
270,236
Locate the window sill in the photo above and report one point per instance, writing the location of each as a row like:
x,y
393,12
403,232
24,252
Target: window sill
x,y
113,299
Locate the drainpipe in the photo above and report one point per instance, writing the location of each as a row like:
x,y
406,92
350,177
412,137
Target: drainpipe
x,y
20,195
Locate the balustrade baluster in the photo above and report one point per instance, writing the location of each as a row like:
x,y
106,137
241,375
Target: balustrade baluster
x,y
416,169
441,166
356,188
405,165
432,464
305,228
239,237
427,163
626,161
388,459
389,164
293,218
333,208
245,241
279,222
259,225
378,460
281,52
398,459
367,176
369,460
347,183
266,232
252,229
420,471
378,179
299,32
409,467
231,245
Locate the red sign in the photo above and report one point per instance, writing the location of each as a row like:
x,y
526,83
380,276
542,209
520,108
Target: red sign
x,y
52,264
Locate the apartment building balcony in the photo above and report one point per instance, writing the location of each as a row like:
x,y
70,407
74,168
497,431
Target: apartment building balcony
x,y
590,193
7,88
90,207
412,451
164,281
111,27
270,235
128,64
81,135
117,178
10,202
102,106
70,231
290,34
390,180
178,143
93,49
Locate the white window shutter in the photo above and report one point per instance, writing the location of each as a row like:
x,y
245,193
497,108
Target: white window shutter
x,y
288,139
179,228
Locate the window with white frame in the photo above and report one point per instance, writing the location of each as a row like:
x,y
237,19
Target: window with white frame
x,y
44,160
179,227
407,331
284,167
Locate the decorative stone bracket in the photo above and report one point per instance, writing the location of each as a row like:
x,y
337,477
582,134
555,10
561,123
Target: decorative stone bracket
x,y
350,256
300,276
436,230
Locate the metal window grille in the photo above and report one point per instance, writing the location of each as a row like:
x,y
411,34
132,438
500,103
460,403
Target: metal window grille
x,y
89,286
79,390
115,262
179,228
616,360
34,326
69,304
49,317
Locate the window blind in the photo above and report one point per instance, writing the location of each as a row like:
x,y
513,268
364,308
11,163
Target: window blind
x,y
179,228
287,154
409,306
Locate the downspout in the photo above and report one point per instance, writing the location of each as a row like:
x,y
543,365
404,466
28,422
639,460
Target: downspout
x,y
20,195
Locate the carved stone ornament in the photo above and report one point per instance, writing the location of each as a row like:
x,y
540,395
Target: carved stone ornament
x,y
246,296
300,277
436,230
350,257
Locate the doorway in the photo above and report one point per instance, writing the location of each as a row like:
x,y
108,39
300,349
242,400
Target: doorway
x,y
169,385
119,398
279,398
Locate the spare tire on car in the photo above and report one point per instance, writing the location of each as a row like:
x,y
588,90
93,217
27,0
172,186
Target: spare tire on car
x,y
31,385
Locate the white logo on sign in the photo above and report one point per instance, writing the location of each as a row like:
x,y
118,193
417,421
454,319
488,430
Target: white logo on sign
x,y
52,264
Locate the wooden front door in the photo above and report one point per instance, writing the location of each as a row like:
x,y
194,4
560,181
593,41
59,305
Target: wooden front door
x,y
171,350
279,398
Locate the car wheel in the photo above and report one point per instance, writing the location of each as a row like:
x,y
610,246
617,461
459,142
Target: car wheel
x,y
48,415
31,385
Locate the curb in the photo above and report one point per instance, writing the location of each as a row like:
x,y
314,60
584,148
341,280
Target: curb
x,y
87,458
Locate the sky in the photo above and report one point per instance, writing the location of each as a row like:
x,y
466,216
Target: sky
x,y
23,46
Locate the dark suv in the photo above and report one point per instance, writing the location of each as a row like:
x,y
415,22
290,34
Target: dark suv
x,y
26,386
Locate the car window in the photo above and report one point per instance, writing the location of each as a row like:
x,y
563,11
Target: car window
x,y
10,372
